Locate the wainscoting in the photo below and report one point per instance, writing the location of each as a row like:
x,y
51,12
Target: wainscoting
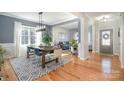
x,y
10,49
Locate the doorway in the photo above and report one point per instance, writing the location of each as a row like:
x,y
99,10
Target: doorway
x,y
106,41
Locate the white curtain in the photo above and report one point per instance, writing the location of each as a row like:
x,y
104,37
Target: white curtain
x,y
38,37
17,33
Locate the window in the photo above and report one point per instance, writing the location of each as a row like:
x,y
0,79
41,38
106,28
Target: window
x,y
62,36
32,36
106,38
28,35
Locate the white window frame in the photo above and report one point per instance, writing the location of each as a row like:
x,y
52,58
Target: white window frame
x,y
29,36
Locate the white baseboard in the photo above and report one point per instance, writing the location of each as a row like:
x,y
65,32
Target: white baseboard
x,y
83,58
99,52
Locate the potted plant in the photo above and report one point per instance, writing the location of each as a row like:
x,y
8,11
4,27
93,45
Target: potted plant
x,y
2,52
74,46
47,39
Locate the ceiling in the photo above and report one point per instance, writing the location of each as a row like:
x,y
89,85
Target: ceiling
x,y
50,18
53,18
74,25
98,14
69,26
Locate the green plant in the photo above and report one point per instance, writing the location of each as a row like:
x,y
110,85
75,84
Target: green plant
x,y
47,39
2,52
74,43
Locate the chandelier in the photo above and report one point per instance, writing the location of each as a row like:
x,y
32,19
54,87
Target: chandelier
x,y
42,27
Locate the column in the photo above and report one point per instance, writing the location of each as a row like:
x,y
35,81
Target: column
x,y
83,45
122,40
93,36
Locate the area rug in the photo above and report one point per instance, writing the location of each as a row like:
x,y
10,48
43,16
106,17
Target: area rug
x,y
31,69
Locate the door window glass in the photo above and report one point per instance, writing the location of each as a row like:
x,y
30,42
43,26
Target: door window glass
x,y
106,38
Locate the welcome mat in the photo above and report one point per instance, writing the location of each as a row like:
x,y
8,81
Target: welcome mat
x,y
31,69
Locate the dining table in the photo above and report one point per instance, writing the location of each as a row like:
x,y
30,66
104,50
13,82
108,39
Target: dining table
x,y
44,51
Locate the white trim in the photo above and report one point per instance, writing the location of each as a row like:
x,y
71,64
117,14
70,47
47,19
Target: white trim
x,y
10,49
83,59
99,37
17,31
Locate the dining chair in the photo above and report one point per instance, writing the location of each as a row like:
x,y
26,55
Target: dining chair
x,y
30,51
53,65
30,54
58,54
37,53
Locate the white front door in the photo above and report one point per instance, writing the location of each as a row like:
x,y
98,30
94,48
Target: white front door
x,y
106,41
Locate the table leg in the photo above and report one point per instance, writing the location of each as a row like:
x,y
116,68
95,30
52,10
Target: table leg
x,y
43,60
27,54
57,60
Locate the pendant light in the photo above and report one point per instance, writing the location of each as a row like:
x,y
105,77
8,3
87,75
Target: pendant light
x,y
42,27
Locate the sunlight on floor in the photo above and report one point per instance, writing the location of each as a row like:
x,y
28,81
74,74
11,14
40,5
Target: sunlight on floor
x,y
66,52
106,66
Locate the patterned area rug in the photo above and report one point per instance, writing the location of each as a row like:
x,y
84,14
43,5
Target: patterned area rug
x,y
31,69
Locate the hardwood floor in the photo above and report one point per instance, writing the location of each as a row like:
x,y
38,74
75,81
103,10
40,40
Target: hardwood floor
x,y
97,67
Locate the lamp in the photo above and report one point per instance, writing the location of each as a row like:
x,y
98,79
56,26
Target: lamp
x,y
42,27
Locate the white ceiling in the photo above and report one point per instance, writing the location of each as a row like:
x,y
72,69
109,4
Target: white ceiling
x,y
74,25
69,26
52,18
49,18
98,14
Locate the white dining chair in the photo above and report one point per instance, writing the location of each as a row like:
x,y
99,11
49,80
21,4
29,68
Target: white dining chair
x,y
57,54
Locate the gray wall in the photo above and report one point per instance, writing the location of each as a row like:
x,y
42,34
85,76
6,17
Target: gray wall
x,y
7,28
71,21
